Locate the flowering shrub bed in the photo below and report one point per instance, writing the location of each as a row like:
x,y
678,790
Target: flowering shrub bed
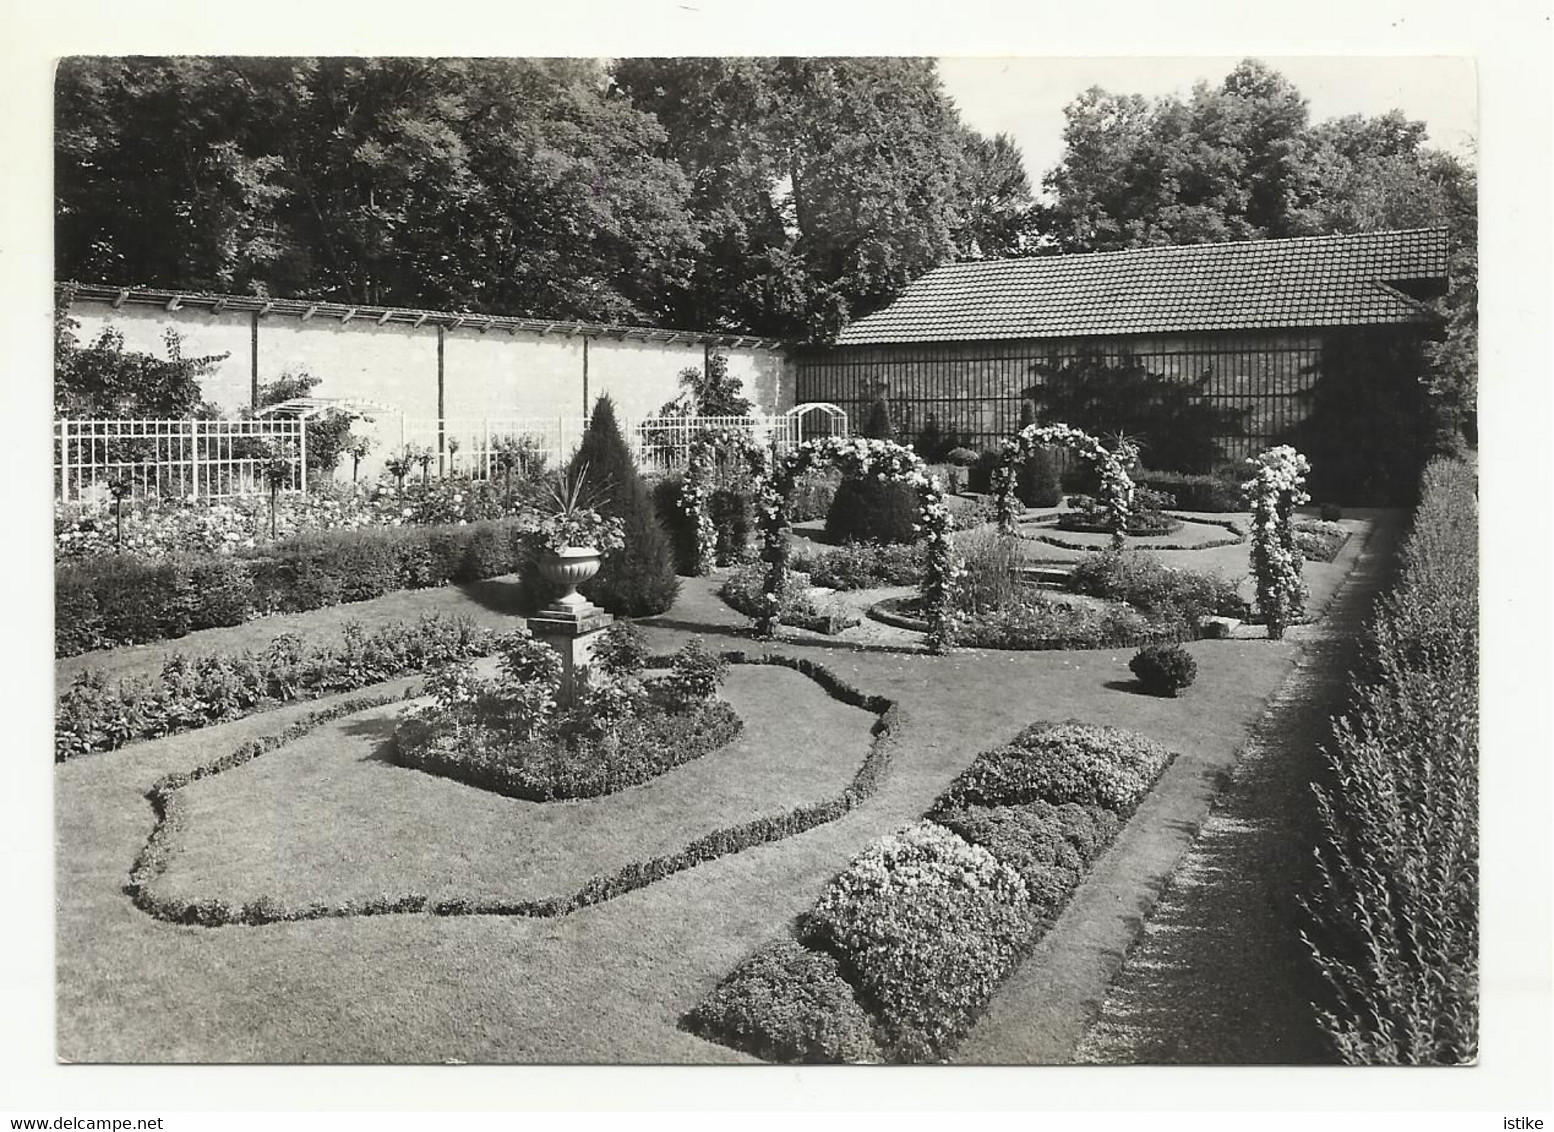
x,y
1166,593
745,590
1049,846
92,715
1276,488
1396,903
926,922
789,1004
881,460
863,565
1091,764
174,527
514,735
120,600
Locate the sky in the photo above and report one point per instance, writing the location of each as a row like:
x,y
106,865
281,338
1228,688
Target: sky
x,y
1024,97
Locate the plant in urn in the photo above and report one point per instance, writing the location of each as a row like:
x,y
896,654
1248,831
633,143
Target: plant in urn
x,y
574,538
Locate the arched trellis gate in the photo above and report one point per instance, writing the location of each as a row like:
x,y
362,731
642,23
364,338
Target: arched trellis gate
x,y
859,457
1116,492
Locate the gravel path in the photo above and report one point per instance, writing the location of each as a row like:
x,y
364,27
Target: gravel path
x,y
1219,974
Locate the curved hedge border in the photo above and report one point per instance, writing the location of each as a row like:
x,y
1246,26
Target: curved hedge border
x,y
1230,525
165,803
879,612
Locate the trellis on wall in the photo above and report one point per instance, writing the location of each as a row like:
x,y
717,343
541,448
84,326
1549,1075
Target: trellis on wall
x,y
975,388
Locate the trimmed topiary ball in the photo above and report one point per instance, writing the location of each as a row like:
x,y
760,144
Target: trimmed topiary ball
x,y
1164,670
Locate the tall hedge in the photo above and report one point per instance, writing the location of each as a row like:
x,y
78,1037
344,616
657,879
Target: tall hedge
x,y
1396,906
639,579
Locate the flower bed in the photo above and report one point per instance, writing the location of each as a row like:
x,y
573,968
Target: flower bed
x,y
745,588
1319,540
926,922
92,716
1142,581
161,528
862,565
1038,620
512,736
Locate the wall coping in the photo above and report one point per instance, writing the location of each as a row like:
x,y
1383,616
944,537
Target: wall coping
x,y
216,303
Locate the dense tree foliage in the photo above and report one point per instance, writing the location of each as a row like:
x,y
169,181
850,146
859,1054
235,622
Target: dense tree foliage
x,y
521,186
823,186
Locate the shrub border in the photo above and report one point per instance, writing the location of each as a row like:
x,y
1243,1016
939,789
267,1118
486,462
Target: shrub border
x,y
157,852
1046,644
693,1022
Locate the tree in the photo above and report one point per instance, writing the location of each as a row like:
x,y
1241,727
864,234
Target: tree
x,y
824,186
1229,164
639,579
328,436
711,394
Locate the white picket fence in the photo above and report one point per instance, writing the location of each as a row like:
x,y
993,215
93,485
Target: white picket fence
x,y
199,458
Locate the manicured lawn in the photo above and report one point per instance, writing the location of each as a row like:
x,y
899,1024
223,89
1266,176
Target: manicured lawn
x,y
329,818
606,983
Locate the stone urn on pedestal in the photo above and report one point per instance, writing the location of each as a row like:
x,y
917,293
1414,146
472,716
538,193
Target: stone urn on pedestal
x,y
574,542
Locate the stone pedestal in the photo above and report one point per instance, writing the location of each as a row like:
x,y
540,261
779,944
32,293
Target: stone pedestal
x,y
571,628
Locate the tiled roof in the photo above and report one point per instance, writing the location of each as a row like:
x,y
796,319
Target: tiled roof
x,y
1307,282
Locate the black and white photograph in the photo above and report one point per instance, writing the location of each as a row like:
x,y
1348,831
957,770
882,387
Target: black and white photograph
x,y
859,558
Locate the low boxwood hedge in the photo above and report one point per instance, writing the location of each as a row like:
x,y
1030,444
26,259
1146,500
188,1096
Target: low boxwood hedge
x,y
121,599
1194,492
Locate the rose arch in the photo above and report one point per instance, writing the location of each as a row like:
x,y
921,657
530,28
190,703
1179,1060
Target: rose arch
x,y
859,457
701,461
1116,486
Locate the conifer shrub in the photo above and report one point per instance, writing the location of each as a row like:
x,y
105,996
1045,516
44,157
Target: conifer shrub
x,y
639,579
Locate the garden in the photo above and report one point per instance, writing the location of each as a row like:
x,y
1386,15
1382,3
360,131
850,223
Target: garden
x,y
846,749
